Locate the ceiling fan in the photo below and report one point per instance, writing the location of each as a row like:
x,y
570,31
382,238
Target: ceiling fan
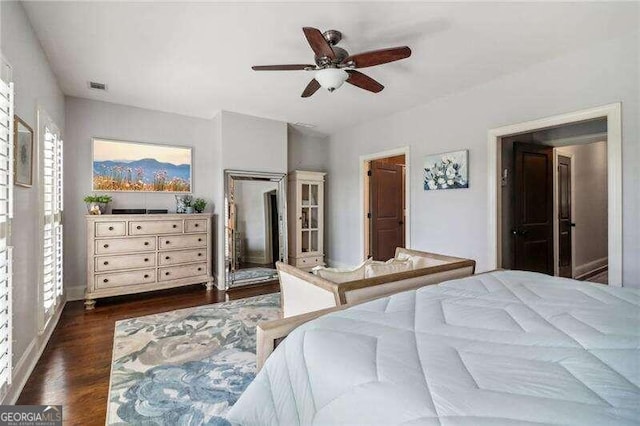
x,y
334,65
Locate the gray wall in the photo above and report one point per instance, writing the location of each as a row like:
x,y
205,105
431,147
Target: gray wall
x,y
590,204
455,221
306,151
86,119
35,86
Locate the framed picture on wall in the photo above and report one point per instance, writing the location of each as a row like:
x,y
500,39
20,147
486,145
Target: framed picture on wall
x,y
141,167
23,153
446,171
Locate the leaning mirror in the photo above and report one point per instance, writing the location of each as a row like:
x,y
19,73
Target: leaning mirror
x,y
255,226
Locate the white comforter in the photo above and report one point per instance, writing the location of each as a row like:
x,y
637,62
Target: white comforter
x,y
500,348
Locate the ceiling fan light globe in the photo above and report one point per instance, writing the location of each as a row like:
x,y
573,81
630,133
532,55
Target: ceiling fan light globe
x,y
331,78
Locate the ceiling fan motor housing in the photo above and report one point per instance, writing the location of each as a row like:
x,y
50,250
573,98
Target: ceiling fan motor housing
x,y
341,55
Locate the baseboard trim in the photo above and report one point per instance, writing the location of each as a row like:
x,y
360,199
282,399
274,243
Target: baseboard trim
x,y
591,268
75,293
29,359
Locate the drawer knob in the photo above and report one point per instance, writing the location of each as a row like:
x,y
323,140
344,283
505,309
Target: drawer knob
x,y
138,227
166,273
146,243
146,275
111,228
175,226
199,254
199,239
200,269
146,259
167,258
106,246
106,263
167,242
105,280
196,225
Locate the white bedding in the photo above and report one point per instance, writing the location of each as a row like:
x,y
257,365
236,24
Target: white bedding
x,y
503,348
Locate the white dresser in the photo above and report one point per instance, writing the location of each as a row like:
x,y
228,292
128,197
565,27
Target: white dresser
x,y
137,253
306,219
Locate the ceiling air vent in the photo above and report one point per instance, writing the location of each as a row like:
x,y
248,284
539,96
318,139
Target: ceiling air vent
x,y
97,86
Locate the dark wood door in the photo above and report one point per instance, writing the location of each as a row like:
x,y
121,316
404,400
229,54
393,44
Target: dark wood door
x,y
533,212
386,209
564,217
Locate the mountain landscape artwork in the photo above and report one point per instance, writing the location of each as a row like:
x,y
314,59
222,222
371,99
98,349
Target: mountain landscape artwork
x,y
140,167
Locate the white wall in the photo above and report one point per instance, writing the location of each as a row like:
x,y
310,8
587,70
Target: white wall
x,y
35,86
307,152
590,204
251,217
455,221
86,119
251,144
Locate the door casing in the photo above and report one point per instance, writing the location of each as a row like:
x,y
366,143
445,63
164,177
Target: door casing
x,y
613,114
364,159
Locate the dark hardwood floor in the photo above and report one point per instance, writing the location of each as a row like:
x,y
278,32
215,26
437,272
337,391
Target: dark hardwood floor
x,y
75,366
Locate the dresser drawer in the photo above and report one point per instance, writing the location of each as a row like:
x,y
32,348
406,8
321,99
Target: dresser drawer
x,y
185,271
111,229
120,279
129,261
124,245
155,227
195,225
183,241
182,256
308,262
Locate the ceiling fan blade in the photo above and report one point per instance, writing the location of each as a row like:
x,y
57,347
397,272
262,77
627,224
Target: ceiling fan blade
x,y
292,67
364,82
311,88
318,42
377,57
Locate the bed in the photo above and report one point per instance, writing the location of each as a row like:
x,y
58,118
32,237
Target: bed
x,y
501,348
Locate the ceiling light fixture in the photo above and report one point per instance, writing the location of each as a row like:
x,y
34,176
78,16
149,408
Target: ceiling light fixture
x,y
331,78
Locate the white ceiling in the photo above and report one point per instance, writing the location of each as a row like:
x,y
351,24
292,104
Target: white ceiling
x,y
195,58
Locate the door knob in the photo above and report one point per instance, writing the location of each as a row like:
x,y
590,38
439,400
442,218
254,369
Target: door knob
x,y
573,225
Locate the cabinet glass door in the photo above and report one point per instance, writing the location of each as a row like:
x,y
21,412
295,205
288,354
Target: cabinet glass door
x,y
309,217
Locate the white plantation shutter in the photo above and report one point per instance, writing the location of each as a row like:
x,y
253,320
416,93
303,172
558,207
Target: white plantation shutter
x,y
53,207
6,213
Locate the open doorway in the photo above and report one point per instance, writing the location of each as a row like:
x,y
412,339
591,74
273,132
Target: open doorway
x,y
554,200
385,206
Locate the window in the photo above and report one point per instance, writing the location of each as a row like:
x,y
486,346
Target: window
x,y
6,212
51,172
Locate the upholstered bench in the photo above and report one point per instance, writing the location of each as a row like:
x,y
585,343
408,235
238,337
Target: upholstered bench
x,y
302,292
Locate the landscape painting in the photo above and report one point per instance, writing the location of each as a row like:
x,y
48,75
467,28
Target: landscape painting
x,y
446,171
140,167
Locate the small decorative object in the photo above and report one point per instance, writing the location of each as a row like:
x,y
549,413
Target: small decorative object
x,y
188,204
446,171
140,167
23,152
180,207
97,204
199,205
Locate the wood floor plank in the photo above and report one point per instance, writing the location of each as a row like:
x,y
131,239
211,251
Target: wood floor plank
x,y
75,366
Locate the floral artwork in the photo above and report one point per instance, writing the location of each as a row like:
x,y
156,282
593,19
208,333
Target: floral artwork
x,y
131,166
186,367
446,171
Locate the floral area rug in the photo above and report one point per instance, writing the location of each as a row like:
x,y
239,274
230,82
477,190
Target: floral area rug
x,y
185,367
